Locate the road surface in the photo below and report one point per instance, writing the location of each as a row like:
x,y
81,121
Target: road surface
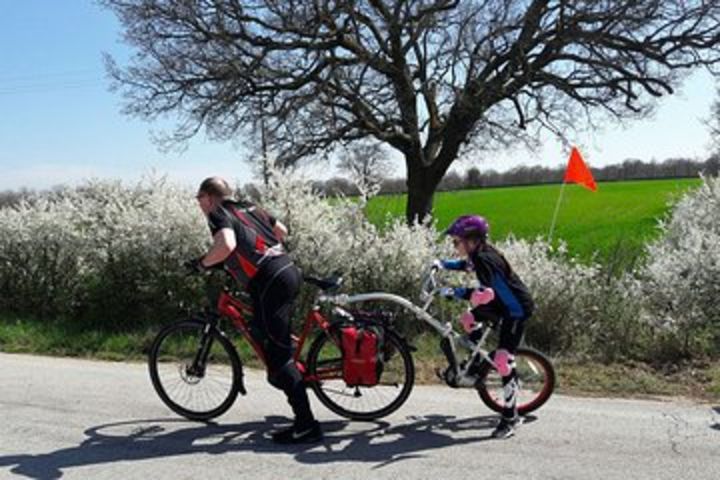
x,y
78,419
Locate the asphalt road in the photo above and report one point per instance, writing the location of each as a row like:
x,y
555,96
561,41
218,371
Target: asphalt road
x,y
76,419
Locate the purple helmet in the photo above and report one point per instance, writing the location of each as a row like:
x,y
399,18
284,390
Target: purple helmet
x,y
467,225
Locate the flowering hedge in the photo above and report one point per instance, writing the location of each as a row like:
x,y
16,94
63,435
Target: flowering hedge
x,y
102,251
680,283
112,254
327,236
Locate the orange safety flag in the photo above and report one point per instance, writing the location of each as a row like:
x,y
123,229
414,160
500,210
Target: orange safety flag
x,y
578,172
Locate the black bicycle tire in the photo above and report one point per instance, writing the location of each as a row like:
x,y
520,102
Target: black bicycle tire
x,y
160,390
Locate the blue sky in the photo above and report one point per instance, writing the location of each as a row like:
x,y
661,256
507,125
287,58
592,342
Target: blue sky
x,y
60,124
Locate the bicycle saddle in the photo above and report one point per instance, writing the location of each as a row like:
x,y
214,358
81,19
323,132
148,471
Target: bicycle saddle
x,y
330,283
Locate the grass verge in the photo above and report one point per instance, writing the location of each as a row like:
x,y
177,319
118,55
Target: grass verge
x,y
64,338
699,380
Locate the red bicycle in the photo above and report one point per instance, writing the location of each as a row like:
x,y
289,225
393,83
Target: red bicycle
x,y
197,372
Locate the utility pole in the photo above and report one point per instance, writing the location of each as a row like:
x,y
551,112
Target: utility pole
x,y
265,169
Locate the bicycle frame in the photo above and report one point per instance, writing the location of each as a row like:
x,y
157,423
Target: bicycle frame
x,y
445,330
235,309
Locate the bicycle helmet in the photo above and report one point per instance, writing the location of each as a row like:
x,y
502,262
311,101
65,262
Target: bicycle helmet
x,y
469,225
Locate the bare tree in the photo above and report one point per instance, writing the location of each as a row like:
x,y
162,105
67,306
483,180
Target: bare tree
x,y
256,146
11,198
366,163
430,78
714,122
451,181
473,177
712,166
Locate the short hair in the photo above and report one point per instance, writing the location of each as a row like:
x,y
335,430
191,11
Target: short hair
x,y
216,187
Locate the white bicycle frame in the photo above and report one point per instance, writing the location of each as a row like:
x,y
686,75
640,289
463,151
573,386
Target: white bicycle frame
x,y
429,290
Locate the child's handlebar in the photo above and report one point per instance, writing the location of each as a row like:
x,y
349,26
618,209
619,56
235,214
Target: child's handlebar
x,y
429,284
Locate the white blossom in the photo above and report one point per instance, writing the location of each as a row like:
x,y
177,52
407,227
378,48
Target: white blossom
x,y
107,246
680,282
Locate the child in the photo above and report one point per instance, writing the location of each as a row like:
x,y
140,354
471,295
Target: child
x,y
502,297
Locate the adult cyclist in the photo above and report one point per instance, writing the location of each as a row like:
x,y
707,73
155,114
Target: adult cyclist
x,y
248,241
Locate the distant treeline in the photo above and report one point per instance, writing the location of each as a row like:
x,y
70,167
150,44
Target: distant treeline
x,y
474,177
9,198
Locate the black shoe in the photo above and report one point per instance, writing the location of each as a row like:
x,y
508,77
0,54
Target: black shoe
x,y
506,428
308,434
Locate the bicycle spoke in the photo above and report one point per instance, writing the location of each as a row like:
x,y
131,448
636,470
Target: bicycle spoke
x,y
191,392
362,402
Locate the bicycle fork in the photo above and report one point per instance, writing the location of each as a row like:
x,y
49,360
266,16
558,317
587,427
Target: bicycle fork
x,y
199,363
197,368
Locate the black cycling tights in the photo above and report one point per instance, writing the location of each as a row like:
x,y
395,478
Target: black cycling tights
x,y
511,333
273,292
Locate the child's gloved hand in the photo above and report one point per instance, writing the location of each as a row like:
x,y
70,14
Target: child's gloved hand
x,y
458,293
447,292
482,297
467,320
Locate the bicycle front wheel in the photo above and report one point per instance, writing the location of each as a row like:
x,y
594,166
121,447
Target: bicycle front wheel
x,y
325,368
536,378
195,370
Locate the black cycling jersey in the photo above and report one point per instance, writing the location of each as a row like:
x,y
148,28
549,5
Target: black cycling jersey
x,y
512,297
255,241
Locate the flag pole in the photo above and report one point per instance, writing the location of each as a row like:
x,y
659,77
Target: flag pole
x,y
557,210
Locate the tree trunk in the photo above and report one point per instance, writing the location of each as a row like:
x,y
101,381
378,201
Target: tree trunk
x,y
421,183
424,178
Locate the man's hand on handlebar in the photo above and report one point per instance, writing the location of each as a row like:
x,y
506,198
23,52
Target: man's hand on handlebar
x,y
195,265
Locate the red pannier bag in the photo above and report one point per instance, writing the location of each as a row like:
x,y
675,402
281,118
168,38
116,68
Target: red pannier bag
x,y
362,364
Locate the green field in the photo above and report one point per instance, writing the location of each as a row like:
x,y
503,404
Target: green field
x,y
619,217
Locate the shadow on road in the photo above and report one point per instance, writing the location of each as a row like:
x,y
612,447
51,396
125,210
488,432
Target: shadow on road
x,y
373,442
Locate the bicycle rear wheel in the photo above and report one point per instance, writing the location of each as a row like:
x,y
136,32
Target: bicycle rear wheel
x,y
324,363
536,377
195,370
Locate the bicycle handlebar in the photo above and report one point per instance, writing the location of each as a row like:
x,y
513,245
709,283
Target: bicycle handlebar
x,y
429,285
